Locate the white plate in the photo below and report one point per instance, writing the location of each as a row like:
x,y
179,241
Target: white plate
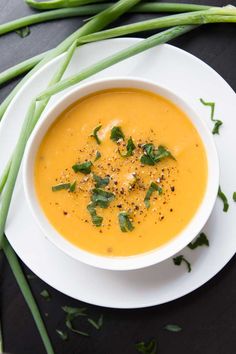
x,y
191,79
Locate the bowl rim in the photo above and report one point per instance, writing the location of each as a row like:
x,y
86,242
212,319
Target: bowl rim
x,y
141,260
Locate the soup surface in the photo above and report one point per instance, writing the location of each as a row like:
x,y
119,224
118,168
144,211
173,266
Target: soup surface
x,y
121,172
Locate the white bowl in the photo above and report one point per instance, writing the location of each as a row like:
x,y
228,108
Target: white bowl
x,y
141,260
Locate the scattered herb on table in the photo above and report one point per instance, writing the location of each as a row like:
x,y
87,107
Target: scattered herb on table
x,y
224,199
147,347
201,240
153,155
23,32
96,324
84,167
95,134
124,222
130,147
97,156
153,187
217,122
234,196
102,198
96,219
117,134
101,182
173,328
71,314
179,259
62,334
45,294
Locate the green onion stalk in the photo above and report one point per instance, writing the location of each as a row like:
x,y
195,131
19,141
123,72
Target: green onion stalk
x,y
97,23
225,14
55,4
200,17
13,168
93,10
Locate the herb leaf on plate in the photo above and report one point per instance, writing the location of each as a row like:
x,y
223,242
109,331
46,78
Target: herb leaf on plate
x,y
180,259
224,199
217,122
201,240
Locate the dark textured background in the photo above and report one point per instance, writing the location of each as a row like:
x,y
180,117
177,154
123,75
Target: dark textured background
x,y
207,316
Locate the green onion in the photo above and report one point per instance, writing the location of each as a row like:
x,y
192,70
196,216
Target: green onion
x,y
224,199
217,122
84,167
96,324
180,259
71,314
190,18
201,240
95,134
95,24
140,47
153,187
20,68
4,176
25,289
62,334
173,328
55,4
124,221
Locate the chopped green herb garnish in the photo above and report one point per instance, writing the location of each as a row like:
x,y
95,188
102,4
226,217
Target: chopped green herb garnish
x,y
117,134
73,186
124,221
217,122
23,32
173,328
96,324
95,134
153,187
102,198
71,314
201,240
224,199
101,182
234,196
179,259
60,187
96,219
98,155
84,167
154,155
45,294
147,347
130,147
62,334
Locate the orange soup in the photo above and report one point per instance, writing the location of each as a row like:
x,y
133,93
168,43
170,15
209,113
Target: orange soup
x,y
121,172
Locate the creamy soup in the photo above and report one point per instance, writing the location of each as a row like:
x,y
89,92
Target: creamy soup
x,y
121,172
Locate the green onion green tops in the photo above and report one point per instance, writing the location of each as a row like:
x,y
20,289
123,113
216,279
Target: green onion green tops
x,y
130,147
173,328
201,240
62,334
147,347
178,261
153,187
217,122
101,182
153,155
124,221
95,134
96,324
96,219
84,167
224,199
116,134
71,314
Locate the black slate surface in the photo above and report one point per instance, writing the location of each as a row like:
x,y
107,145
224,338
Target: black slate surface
x,y
207,316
